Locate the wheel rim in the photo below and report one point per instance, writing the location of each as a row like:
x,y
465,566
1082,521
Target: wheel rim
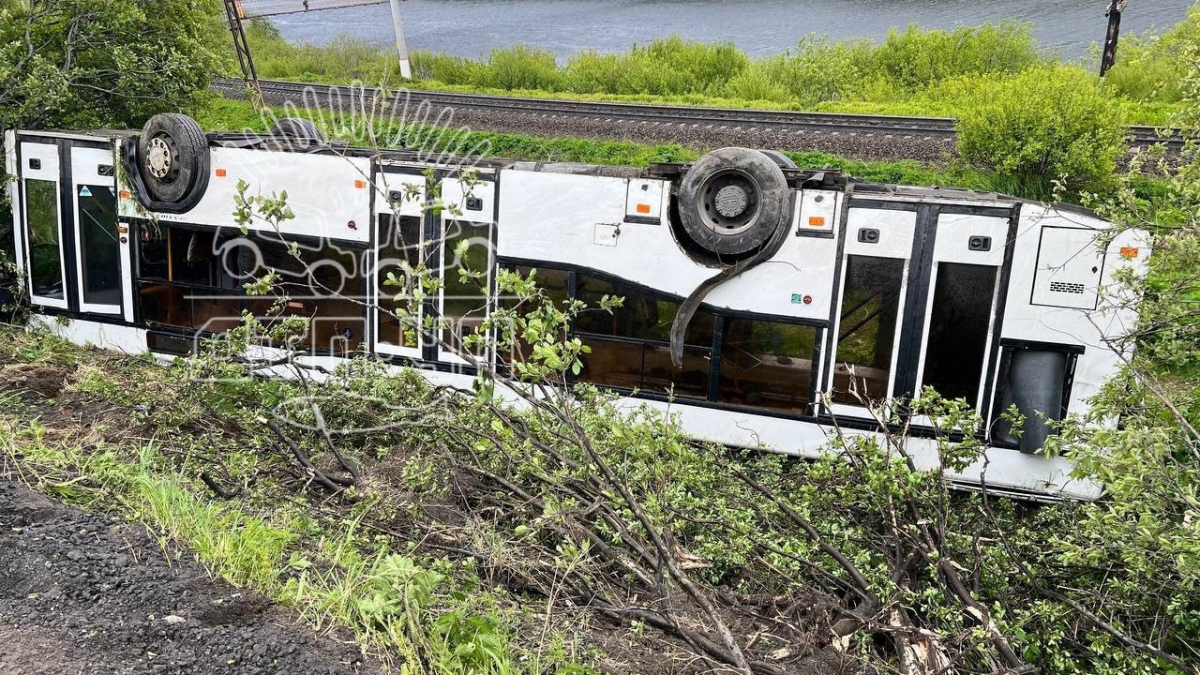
x,y
730,203
161,158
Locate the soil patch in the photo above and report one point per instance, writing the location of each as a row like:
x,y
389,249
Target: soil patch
x,y
42,379
89,593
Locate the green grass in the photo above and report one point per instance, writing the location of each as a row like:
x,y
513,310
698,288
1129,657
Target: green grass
x,y
243,548
912,72
138,463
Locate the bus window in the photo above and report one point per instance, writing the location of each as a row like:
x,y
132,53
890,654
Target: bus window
x,y
152,252
45,255
176,255
631,346
660,375
193,279
554,284
958,330
867,330
98,245
641,315
767,365
322,282
465,299
397,246
613,363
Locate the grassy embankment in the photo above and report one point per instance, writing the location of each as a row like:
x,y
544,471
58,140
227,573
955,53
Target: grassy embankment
x,y
109,432
912,72
224,114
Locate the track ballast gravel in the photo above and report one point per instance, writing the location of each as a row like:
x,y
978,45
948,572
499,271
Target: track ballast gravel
x,y
698,136
89,594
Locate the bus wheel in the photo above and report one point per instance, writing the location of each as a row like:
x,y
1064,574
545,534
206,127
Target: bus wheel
x,y
780,159
298,128
733,200
173,157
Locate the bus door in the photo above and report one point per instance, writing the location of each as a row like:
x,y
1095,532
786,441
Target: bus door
x,y
918,297
876,265
399,241
464,248
44,252
962,305
99,243
72,249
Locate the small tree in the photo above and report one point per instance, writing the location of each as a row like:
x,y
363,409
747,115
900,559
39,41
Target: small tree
x,y
1049,121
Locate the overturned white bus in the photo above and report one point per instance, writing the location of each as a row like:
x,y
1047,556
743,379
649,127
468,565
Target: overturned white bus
x,y
752,288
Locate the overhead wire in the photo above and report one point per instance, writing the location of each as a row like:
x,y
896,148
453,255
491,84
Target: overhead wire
x,y
261,8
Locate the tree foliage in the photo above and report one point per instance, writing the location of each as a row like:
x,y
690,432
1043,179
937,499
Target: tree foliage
x,y
88,64
1142,542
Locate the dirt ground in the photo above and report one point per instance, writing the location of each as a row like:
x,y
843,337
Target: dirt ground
x,y
85,593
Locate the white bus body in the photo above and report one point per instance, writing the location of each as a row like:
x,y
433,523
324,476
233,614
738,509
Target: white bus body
x,y
981,296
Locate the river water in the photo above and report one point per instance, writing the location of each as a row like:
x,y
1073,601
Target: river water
x,y
474,27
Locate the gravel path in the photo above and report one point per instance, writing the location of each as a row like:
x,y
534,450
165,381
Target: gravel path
x,y
84,594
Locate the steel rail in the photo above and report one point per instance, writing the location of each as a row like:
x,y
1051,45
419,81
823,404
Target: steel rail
x,y
942,128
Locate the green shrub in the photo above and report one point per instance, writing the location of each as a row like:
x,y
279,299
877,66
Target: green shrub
x,y
821,70
520,67
1142,75
913,72
917,58
1052,121
590,72
670,67
343,59
762,81
697,67
444,68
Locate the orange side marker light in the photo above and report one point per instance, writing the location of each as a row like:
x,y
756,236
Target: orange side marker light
x,y
816,221
1129,252
221,173
360,184
643,208
126,194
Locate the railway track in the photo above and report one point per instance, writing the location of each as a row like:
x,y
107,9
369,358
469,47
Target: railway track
x,y
934,128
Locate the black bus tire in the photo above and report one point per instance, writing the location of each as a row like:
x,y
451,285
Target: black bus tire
x,y
780,159
297,128
733,200
173,157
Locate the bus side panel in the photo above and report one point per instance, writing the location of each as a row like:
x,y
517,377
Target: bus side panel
x,y
330,196
797,282
1006,470
1030,318
579,221
115,337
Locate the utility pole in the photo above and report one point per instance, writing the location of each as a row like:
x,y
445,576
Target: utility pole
x,y
1115,7
401,48
235,13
